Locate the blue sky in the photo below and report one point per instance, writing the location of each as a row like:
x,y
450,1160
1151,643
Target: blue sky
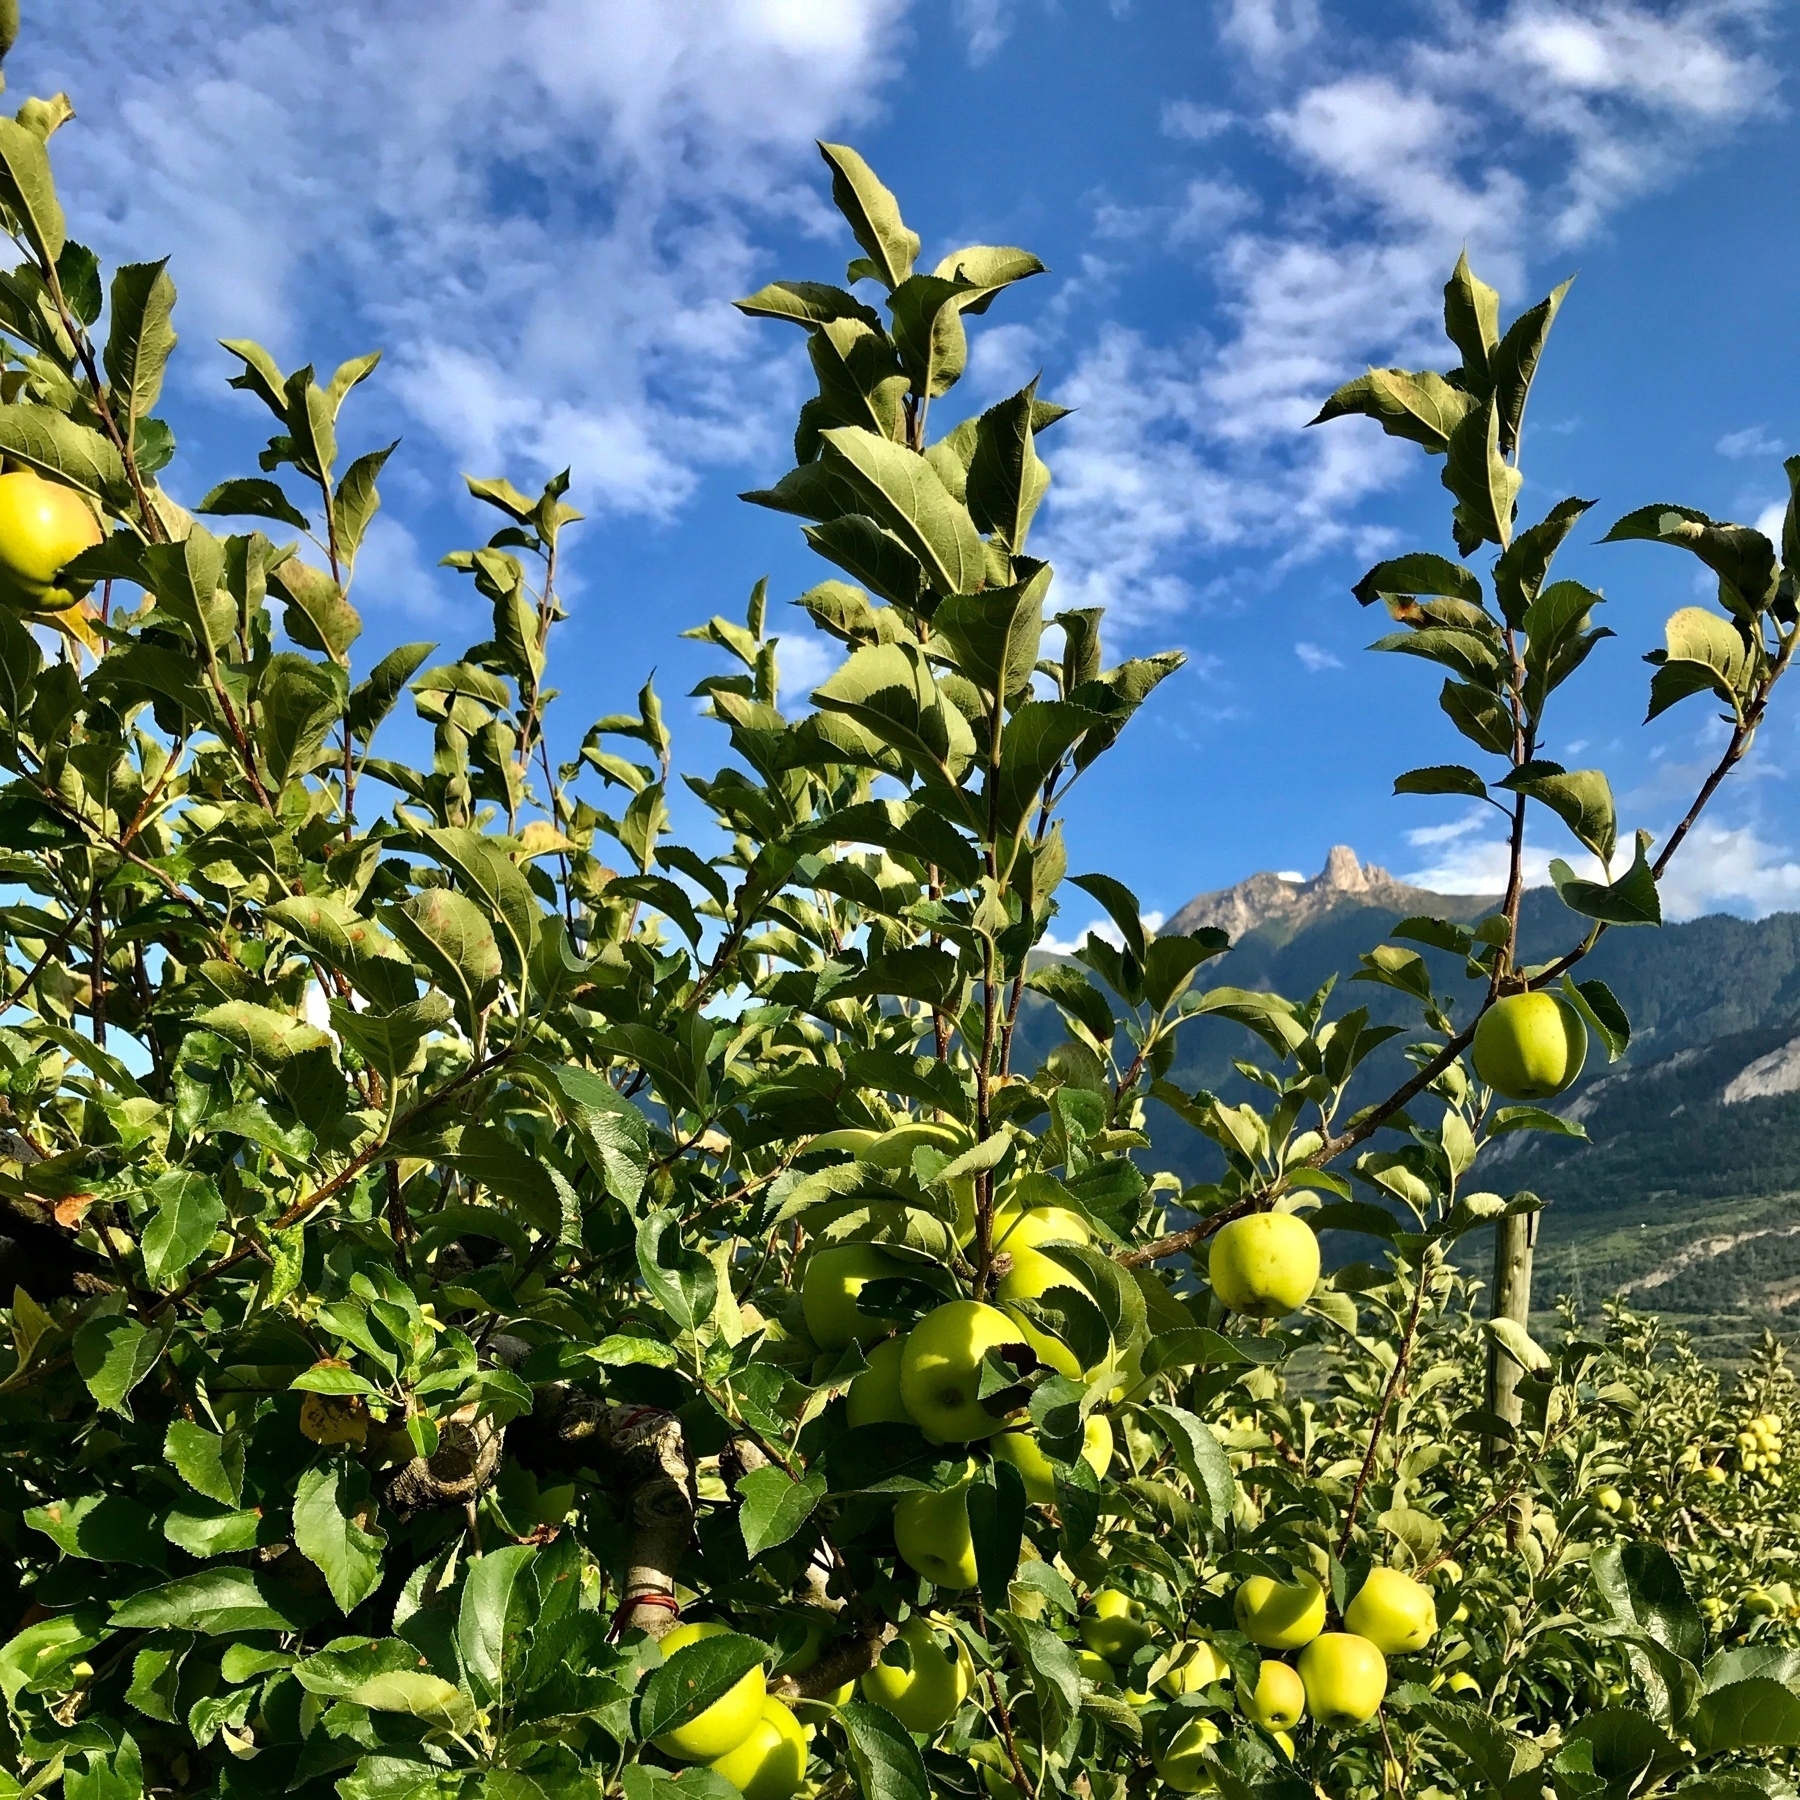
x,y
541,209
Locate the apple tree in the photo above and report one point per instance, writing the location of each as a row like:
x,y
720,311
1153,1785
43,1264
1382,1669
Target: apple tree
x,y
507,1301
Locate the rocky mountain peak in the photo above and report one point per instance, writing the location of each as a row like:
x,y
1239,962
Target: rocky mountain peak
x,y
1268,898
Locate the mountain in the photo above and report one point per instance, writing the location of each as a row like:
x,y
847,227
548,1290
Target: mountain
x,y
1282,903
1685,1193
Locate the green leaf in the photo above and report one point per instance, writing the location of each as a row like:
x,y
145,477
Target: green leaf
x,y
216,1602
1422,408
1441,778
140,336
1513,362
112,1355
392,1041
358,500
1641,1584
1478,715
301,701
772,1506
1581,798
450,936
253,497
1050,1664
872,213
101,1528
890,692
494,1617
995,634
861,548
53,444
271,1038
373,698
1036,739
1007,478
903,492
693,1679
1421,573
886,1760
1742,558
807,303
1518,1343
1202,1459
1631,900
997,1506
1472,322
1704,654
327,1504
29,191
1484,484
1605,1017
1755,1714
496,884
613,1133
684,1283
317,616
1520,571
1071,990
1121,907
204,1529
188,1212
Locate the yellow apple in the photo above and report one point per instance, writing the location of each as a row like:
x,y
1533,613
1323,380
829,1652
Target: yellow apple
x,y
940,1369
1394,1612
1345,1677
1280,1615
770,1763
931,1531
1279,1697
728,1721
43,526
853,1140
925,1697
873,1397
1197,1665
1182,1765
1530,1046
1022,1450
835,1275
1116,1628
1264,1265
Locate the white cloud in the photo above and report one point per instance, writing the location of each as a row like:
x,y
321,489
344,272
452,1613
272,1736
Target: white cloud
x,y
987,24
1269,31
1753,440
1104,929
540,206
1315,658
805,659
1467,135
1195,124
1722,869
1769,521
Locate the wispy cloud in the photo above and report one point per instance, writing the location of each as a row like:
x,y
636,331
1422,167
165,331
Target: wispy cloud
x,y
1315,658
541,207
1517,136
1753,440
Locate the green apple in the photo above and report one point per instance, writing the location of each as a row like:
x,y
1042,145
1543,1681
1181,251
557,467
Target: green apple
x,y
1530,1046
874,1396
1092,1666
1194,1666
931,1531
1182,1765
1264,1265
1031,1277
1278,1699
925,1697
728,1721
996,1768
853,1140
940,1369
1025,1228
770,1763
1022,1450
1280,1615
1345,1677
43,525
1394,1612
1609,1500
1116,1628
835,1275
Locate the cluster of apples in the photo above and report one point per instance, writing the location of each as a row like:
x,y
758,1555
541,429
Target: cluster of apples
x,y
1758,1445
752,1740
43,527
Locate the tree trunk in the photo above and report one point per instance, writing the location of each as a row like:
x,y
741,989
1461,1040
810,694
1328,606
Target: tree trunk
x,y
1514,1240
